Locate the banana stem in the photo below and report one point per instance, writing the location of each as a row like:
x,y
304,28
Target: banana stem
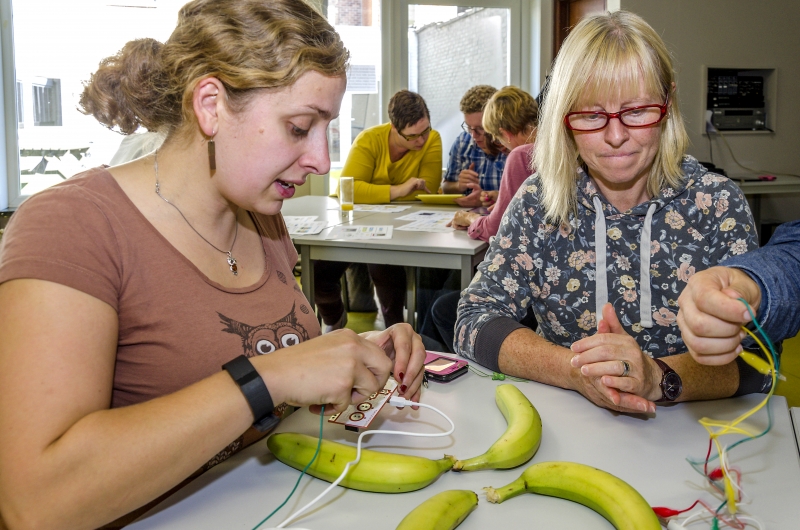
x,y
508,491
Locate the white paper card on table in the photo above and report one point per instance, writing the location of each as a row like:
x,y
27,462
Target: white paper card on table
x,y
305,228
420,215
384,208
361,232
428,225
361,415
295,219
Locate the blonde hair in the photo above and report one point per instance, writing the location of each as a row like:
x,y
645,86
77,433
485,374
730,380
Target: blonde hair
x,y
511,109
609,55
248,45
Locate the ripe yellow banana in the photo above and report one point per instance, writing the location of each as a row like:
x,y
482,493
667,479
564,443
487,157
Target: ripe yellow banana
x,y
604,493
520,441
376,471
443,511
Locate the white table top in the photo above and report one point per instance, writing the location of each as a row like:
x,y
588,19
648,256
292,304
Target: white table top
x,y
781,184
327,209
647,452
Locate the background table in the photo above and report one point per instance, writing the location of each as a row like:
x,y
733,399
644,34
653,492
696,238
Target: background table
x,y
450,250
755,189
646,451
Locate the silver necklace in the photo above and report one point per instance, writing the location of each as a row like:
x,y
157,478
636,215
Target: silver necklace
x,y
231,260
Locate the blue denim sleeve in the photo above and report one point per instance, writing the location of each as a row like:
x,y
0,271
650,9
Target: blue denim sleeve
x,y
454,162
776,269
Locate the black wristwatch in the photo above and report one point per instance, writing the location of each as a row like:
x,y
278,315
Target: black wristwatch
x,y
255,392
671,384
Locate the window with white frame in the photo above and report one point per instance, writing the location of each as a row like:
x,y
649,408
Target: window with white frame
x,y
358,22
450,49
443,47
375,31
47,102
43,82
20,106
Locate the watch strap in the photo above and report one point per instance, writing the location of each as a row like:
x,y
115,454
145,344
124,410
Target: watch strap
x,y
666,370
255,392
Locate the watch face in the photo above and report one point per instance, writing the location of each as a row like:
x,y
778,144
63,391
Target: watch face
x,y
671,386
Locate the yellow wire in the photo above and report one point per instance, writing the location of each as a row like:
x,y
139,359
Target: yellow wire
x,y
731,427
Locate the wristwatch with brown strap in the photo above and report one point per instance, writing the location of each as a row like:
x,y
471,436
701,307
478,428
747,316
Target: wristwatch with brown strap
x,y
671,384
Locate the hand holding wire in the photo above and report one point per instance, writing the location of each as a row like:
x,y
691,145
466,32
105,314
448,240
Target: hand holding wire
x,y
726,480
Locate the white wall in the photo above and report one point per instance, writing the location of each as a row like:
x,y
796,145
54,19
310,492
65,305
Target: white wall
x,y
734,33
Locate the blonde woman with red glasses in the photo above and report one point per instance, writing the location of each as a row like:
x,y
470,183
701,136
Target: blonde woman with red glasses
x,y
600,242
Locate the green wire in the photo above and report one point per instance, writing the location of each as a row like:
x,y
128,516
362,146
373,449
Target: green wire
x,y
695,463
497,376
763,334
319,444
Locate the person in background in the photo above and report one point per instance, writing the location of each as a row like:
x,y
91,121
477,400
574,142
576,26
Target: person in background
x,y
711,314
398,160
169,332
476,161
510,116
394,161
475,167
603,238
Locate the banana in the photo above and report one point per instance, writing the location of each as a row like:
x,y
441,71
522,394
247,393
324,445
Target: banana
x,y
443,511
604,493
520,441
376,471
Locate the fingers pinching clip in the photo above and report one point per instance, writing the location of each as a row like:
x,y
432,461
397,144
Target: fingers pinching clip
x,y
626,368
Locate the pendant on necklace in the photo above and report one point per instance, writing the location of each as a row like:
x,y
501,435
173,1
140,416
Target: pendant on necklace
x,y
232,264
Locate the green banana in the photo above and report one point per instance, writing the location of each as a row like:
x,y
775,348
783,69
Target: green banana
x,y
520,441
443,511
376,471
604,493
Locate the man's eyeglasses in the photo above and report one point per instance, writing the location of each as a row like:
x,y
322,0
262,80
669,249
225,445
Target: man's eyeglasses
x,y
477,131
412,137
634,117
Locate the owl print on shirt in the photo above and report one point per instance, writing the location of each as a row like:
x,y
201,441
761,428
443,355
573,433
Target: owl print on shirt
x,y
266,338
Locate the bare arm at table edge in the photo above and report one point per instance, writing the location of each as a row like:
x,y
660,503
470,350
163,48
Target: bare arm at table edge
x,y
83,464
523,353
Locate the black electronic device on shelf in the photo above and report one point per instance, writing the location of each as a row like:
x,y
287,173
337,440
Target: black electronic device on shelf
x,y
736,101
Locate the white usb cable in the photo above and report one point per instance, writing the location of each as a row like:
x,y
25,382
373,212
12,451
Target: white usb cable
x,y
397,402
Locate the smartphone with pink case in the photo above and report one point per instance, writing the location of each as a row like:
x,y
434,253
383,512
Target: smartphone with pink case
x,y
442,368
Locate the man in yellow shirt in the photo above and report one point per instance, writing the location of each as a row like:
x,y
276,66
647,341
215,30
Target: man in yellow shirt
x,y
394,161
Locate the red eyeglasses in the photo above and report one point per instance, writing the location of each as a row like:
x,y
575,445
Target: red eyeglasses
x,y
634,117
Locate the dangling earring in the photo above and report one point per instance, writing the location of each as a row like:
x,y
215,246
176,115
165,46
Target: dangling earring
x,y
212,154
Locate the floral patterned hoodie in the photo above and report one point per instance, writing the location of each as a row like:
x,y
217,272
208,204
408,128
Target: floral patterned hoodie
x,y
639,260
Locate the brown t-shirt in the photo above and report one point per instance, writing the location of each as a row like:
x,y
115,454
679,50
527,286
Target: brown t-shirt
x,y
176,326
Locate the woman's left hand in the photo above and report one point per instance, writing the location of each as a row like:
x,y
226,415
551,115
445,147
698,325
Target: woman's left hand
x,y
462,219
405,348
605,356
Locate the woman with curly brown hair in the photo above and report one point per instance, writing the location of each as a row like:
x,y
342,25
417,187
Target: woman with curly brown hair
x,y
167,318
